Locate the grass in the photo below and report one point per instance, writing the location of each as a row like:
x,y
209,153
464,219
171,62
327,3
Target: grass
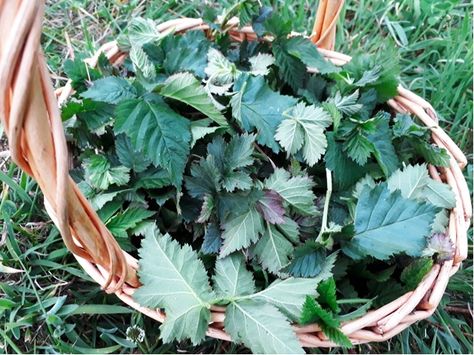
x,y
48,304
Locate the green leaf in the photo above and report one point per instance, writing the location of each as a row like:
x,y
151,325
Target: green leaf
x,y
414,183
128,156
296,191
187,52
288,295
384,151
312,312
142,31
388,224
186,88
156,130
327,294
304,124
273,250
255,105
153,178
112,90
142,63
100,174
261,327
303,49
346,104
260,63
291,69
346,172
175,279
205,178
212,240
241,231
359,148
80,73
200,129
310,260
128,219
232,279
415,271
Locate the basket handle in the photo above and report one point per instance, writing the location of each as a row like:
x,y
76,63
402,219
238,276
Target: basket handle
x,y
33,126
324,29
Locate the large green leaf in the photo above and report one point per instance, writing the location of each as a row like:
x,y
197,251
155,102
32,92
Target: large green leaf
x,y
255,105
175,279
261,327
241,231
186,88
304,127
156,130
296,191
388,224
111,90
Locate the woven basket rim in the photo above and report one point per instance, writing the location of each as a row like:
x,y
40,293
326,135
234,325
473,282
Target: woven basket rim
x,y
32,121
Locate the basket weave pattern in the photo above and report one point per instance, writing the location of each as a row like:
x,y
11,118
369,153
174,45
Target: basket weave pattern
x,y
32,121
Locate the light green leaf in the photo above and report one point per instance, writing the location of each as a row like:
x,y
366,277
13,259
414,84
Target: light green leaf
x,y
259,64
288,295
241,231
347,104
296,191
232,279
200,129
100,174
273,250
141,62
414,182
156,130
388,224
142,31
304,123
175,279
261,327
112,90
255,105
186,88
220,71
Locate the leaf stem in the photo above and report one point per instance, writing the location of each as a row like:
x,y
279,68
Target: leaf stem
x,y
265,155
324,224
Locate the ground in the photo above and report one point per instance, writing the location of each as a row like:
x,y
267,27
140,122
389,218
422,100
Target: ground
x,y
48,304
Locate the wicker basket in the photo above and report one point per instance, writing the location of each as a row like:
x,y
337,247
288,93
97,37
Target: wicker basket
x,y
31,118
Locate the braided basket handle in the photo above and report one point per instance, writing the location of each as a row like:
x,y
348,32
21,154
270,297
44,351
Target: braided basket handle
x,y
32,121
324,29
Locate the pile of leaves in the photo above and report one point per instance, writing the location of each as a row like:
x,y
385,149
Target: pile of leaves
x,y
257,176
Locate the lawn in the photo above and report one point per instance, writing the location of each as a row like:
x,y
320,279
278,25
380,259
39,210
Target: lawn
x,y
48,304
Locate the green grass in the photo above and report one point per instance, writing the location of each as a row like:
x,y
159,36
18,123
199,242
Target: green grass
x,y
48,304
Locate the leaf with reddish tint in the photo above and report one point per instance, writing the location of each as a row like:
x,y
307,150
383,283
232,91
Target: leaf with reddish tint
x,y
271,207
